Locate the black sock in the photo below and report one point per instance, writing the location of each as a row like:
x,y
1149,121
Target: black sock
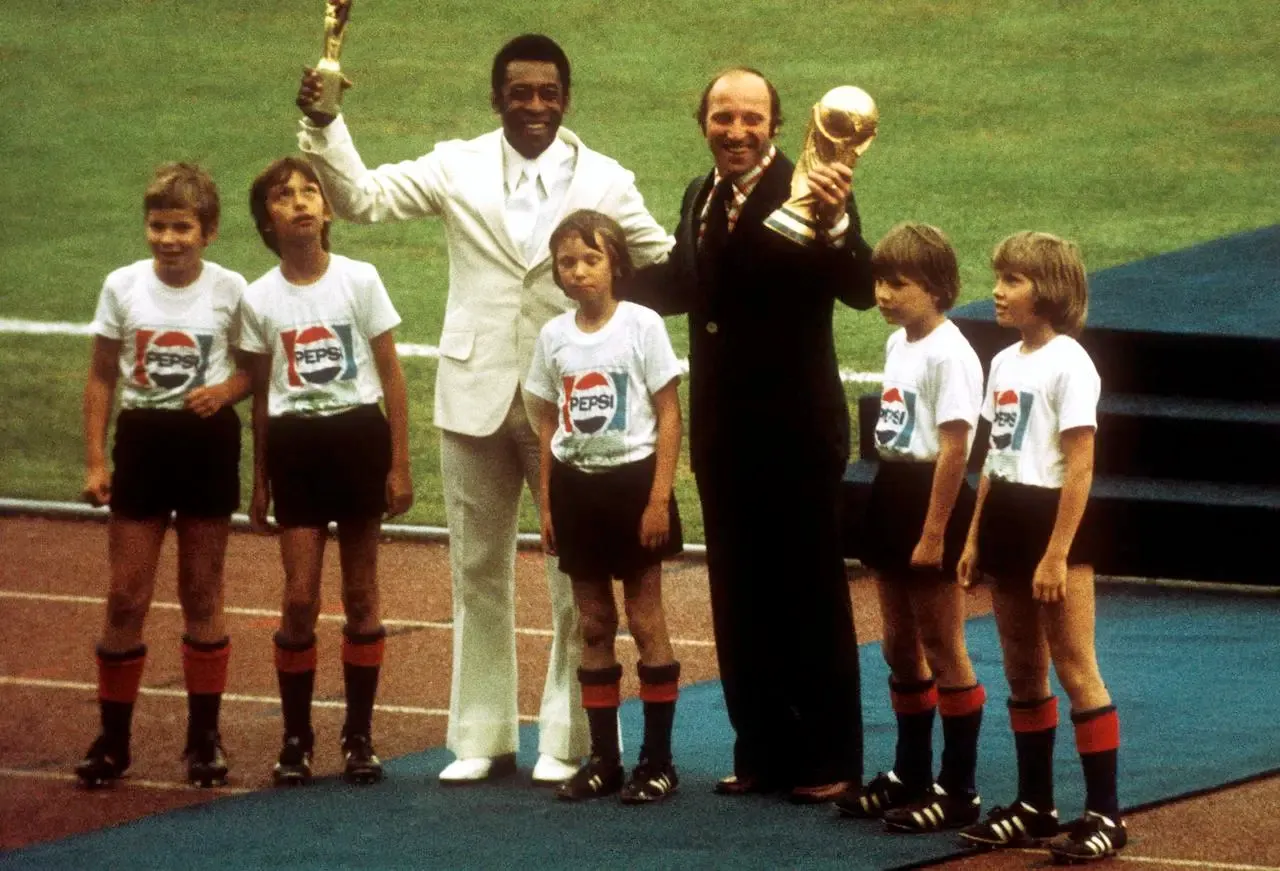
x,y
202,714
1098,741
361,663
204,668
117,721
659,688
1033,737
296,671
961,722
915,705
600,698
119,675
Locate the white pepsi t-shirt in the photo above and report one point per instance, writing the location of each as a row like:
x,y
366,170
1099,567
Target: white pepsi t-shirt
x,y
928,382
602,384
1031,399
173,339
318,337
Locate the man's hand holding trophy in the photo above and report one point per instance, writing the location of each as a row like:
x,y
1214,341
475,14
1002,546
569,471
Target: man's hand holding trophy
x,y
842,126
320,95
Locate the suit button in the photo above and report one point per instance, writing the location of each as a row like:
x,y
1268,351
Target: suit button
x,y
713,327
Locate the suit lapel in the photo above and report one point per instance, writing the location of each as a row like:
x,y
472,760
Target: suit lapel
x,y
490,192
688,241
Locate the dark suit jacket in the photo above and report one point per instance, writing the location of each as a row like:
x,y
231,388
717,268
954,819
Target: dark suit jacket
x,y
764,380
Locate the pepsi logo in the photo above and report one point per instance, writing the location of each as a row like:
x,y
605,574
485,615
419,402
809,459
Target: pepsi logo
x,y
595,401
172,360
893,414
1005,420
318,355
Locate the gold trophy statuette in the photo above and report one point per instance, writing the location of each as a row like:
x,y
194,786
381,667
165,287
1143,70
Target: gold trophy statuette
x,y
336,13
841,127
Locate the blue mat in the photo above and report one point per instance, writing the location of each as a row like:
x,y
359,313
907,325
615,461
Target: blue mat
x,y
1192,675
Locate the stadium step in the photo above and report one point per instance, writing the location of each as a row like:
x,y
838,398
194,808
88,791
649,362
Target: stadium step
x,y
1178,438
1154,528
1186,474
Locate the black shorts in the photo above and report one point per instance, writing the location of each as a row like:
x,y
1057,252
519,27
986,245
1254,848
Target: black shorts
x,y
166,461
332,468
1017,522
896,511
597,520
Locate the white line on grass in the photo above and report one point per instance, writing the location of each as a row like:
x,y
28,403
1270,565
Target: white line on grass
x,y
404,349
81,686
390,622
167,785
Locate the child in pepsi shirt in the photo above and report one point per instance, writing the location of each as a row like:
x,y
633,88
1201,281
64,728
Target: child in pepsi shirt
x,y
602,389
916,521
162,333
1032,534
319,331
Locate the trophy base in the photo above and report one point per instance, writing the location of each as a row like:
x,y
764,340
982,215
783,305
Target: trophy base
x,y
793,226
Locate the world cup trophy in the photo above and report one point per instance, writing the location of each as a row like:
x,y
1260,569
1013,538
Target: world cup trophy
x,y
841,127
336,13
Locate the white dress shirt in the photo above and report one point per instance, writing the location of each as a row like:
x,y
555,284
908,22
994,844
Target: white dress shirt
x,y
535,190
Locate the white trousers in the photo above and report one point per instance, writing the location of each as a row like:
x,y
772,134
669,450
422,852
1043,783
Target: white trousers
x,y
483,477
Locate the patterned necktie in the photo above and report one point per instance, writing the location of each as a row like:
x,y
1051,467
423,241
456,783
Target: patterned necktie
x,y
716,230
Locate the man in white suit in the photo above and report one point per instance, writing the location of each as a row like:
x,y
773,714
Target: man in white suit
x,y
500,195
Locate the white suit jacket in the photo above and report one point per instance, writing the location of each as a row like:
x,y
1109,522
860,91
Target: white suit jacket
x,y
497,301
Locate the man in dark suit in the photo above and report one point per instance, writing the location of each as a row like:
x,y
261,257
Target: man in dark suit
x,y
769,436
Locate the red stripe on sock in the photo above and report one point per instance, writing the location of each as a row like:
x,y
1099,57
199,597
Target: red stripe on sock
x,y
118,680
296,661
205,670
660,692
1043,716
914,703
368,655
962,703
1099,734
601,695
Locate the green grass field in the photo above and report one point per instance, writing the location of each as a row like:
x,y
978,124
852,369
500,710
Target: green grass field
x,y
1132,127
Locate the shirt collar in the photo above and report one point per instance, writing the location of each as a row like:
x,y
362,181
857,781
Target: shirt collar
x,y
746,183
548,164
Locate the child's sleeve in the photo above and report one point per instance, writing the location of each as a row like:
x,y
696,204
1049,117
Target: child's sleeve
x,y
660,362
108,319
1079,388
236,326
541,381
988,407
374,311
252,337
959,391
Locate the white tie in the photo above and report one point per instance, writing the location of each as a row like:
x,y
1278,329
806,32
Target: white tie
x,y
522,211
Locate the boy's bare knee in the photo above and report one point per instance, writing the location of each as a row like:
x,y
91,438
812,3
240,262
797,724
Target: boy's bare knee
x,y
125,611
298,619
1028,688
597,631
200,605
361,607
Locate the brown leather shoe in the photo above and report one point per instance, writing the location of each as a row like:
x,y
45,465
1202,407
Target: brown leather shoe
x,y
818,794
745,785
